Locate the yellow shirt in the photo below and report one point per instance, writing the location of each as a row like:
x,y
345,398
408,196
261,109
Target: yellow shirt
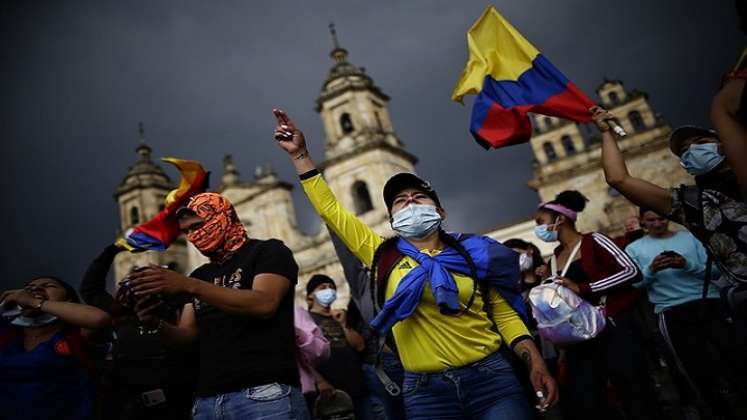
x,y
428,341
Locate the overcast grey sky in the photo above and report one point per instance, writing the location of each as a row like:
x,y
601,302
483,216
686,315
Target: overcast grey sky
x,y
77,76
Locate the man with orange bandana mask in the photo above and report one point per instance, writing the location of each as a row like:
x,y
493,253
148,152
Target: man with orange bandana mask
x,y
242,312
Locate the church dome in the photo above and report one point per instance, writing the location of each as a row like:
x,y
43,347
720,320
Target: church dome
x,y
144,173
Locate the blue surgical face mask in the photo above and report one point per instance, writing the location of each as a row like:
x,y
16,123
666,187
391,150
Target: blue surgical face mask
x,y
543,233
699,159
325,297
416,221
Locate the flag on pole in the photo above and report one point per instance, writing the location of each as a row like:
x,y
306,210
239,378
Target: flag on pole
x,y
158,233
511,78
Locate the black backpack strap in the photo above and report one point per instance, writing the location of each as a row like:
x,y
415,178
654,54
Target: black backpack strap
x,y
690,195
390,258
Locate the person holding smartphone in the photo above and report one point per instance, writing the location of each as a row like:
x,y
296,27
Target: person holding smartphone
x,y
691,318
144,378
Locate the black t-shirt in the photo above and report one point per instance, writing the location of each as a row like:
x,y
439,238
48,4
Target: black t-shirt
x,y
240,351
343,368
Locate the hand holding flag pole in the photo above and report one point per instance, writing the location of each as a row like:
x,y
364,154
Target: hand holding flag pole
x,y
512,78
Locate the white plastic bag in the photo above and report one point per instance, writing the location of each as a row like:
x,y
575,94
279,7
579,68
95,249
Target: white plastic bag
x,y
562,316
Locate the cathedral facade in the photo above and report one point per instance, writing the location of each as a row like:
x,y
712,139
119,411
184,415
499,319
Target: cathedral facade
x,y
362,151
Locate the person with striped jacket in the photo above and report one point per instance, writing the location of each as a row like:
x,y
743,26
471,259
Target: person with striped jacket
x,y
600,272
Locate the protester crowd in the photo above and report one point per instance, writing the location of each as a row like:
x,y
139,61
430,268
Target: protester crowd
x,y
440,325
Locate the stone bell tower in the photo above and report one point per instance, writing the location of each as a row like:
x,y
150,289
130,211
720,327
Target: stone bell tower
x,y
361,148
140,197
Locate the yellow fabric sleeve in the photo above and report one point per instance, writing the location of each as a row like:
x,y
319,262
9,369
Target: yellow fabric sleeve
x,y
360,239
428,341
509,323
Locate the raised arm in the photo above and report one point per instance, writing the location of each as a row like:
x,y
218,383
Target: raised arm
x,y
77,314
639,191
725,110
359,238
93,286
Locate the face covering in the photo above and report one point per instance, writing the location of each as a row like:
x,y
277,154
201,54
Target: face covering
x,y
222,233
542,232
525,262
416,221
699,159
325,297
38,321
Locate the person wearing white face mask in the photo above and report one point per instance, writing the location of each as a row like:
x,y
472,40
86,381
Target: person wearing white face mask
x,y
441,295
343,369
50,344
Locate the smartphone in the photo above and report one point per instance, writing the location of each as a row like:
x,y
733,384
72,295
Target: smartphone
x,y
669,254
152,398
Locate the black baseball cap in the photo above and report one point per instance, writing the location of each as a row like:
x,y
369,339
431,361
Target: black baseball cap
x,y
405,180
316,280
680,134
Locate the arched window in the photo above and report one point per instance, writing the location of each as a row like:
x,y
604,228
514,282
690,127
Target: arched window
x,y
361,198
549,151
568,146
614,99
548,122
134,215
346,123
636,120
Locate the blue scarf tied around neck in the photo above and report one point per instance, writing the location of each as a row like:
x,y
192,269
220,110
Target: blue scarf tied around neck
x,y
496,264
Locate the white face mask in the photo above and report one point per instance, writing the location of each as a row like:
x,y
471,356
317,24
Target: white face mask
x,y
416,221
35,322
525,262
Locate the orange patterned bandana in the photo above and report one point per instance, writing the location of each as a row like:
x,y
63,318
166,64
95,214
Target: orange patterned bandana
x,y
222,234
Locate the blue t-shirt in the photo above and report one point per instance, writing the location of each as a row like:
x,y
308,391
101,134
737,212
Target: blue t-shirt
x,y
48,382
672,286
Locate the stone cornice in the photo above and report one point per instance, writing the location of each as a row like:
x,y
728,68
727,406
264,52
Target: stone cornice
x,y
378,144
263,188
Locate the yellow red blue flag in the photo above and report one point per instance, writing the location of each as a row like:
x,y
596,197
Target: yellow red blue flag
x,y
511,78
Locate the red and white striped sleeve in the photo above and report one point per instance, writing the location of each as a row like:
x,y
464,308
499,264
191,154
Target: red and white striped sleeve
x,y
628,268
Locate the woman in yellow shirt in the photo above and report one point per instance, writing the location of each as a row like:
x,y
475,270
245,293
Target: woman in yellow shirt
x,y
438,315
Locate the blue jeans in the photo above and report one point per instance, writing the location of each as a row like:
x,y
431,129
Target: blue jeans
x,y
484,390
270,402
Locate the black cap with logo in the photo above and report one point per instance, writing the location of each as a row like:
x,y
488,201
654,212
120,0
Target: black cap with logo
x,y
403,181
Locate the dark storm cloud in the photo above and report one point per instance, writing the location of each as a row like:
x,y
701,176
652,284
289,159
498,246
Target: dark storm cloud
x,y
203,76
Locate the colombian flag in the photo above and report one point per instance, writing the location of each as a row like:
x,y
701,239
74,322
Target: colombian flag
x,y
512,78
158,233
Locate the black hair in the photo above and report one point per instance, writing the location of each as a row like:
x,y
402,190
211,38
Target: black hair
x,y
70,292
526,246
572,199
449,241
